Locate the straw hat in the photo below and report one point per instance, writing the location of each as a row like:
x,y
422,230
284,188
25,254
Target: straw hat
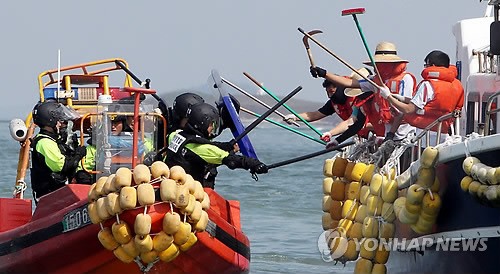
x,y
386,53
353,92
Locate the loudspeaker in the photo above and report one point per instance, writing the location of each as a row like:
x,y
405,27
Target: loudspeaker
x,y
495,38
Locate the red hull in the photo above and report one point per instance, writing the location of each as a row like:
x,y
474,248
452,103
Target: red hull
x,y
46,243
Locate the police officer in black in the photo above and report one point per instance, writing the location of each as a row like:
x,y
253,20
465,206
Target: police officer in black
x,y
52,164
192,149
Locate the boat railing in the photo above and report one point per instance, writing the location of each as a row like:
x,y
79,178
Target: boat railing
x,y
427,131
488,63
490,112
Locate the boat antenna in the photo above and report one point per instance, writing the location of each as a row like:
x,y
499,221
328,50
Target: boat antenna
x,y
58,73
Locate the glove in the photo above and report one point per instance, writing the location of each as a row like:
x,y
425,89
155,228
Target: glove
x,y
385,92
389,136
289,118
332,143
326,136
317,71
81,152
259,169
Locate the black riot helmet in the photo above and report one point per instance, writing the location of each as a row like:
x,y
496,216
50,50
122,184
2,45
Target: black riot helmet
x,y
184,101
200,117
48,113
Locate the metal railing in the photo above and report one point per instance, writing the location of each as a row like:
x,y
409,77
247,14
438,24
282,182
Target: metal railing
x,y
489,112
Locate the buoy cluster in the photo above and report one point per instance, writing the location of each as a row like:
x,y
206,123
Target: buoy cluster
x,y
358,202
482,181
129,189
361,201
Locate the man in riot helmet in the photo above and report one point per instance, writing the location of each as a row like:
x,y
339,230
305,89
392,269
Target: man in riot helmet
x,y
192,149
52,165
180,107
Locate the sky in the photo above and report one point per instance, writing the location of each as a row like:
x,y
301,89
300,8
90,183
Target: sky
x,y
177,43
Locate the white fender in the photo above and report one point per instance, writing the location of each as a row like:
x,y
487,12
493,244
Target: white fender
x,y
18,129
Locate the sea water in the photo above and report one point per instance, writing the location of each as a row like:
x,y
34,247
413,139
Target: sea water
x,y
280,213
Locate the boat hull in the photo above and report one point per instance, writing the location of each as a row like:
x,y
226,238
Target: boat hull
x,y
58,240
461,216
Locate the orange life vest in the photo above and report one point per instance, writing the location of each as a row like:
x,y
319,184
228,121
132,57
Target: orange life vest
x,y
377,110
344,111
447,94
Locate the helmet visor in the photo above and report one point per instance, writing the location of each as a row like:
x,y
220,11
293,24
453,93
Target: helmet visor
x,y
64,113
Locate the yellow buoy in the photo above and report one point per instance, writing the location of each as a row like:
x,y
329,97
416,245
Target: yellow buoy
x,y
190,183
367,248
381,255
367,175
389,191
379,269
335,209
398,204
374,205
356,231
201,225
141,174
122,255
407,218
435,186
121,232
358,170
92,195
182,196
113,203
106,238
159,169
327,203
205,203
171,222
149,256
168,190
131,249
431,205
468,163
474,188
364,193
326,221
196,214
142,224
327,168
346,224
199,192
182,235
376,184
99,186
190,242
415,194
94,216
426,177
388,213
361,214
490,176
162,241
339,166
370,227
337,191
123,177
143,243
190,207
169,254
413,209
178,174
102,212
353,191
429,157
351,253
387,231
109,185
349,209
145,194
348,170
327,185
464,184
128,197
363,266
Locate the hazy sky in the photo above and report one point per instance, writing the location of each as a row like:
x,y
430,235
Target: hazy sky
x,y
177,43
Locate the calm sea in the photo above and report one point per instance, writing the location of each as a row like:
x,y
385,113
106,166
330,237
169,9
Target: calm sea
x,y
280,213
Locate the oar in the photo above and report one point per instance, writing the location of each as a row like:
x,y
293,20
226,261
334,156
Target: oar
x,y
267,113
283,126
255,98
287,107
309,156
161,104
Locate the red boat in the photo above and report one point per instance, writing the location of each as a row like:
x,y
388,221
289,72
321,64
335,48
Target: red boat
x,y
61,236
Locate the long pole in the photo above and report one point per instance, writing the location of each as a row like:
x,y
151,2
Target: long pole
x,y
267,113
287,107
254,98
309,156
283,126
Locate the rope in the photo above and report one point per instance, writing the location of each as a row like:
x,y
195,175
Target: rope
x,y
19,189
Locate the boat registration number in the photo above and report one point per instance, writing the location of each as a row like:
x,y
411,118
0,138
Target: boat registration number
x,y
76,219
